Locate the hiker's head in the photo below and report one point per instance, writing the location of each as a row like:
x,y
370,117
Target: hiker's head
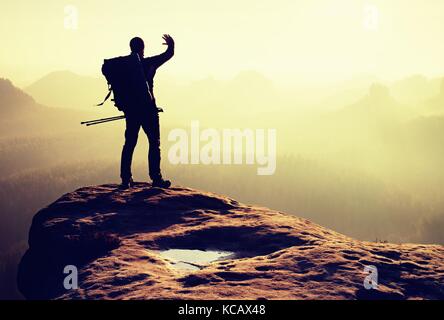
x,y
137,46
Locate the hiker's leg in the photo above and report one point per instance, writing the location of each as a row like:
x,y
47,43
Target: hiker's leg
x,y
152,130
131,135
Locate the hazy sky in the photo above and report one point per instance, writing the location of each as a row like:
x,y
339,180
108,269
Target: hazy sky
x,y
294,40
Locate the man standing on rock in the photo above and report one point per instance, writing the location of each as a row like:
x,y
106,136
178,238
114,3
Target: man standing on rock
x,y
143,112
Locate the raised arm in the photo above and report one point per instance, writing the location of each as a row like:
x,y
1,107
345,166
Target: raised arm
x,y
160,59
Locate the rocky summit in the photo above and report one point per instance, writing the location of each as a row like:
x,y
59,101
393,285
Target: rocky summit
x,y
180,243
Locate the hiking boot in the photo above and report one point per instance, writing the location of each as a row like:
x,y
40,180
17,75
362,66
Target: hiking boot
x,y
160,183
126,184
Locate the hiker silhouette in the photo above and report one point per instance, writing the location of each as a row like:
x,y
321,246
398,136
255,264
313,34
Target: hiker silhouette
x,y
140,110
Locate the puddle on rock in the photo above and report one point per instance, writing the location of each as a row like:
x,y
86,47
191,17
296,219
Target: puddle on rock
x,y
192,260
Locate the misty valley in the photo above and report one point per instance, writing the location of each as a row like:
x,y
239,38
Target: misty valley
x,y
365,162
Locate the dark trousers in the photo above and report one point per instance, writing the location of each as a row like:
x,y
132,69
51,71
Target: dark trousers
x,y
149,121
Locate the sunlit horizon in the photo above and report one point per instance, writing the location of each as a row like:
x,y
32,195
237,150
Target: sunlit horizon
x,y
287,41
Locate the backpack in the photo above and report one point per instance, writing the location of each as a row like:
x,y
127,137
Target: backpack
x,y
126,80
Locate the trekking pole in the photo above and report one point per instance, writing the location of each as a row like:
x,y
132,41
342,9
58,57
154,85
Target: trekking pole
x,y
98,121
110,118
102,121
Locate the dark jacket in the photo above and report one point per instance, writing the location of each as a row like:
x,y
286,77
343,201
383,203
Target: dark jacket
x,y
151,64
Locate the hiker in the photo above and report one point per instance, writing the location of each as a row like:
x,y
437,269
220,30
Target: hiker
x,y
141,111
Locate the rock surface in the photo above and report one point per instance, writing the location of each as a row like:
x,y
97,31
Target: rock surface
x,y
115,237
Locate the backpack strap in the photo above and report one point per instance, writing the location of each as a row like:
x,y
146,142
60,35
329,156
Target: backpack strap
x,y
107,96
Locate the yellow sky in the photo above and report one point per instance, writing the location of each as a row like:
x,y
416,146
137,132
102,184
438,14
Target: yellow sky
x,y
288,40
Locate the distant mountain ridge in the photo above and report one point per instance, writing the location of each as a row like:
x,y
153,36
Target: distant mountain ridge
x,y
66,89
22,115
12,99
